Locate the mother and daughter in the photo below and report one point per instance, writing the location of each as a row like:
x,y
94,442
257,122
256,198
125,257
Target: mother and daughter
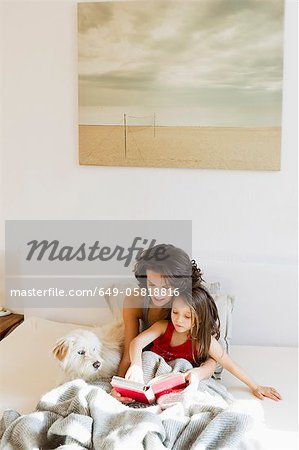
x,y
177,318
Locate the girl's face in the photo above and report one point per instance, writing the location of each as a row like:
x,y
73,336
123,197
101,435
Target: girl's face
x,y
181,315
159,291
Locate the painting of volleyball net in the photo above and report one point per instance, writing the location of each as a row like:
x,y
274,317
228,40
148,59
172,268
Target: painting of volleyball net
x,y
193,84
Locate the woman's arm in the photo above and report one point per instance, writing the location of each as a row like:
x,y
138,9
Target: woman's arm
x,y
131,315
132,310
134,372
219,354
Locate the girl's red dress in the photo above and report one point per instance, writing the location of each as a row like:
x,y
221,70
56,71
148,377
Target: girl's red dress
x,y
162,347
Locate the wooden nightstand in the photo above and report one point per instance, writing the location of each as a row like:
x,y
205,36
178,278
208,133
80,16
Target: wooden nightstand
x,y
9,323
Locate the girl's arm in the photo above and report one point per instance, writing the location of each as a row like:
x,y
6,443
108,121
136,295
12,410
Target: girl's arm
x,y
134,372
203,372
219,354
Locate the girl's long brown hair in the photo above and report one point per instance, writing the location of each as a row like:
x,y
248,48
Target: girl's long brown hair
x,y
205,322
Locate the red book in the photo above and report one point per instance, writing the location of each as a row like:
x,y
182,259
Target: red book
x,y
151,391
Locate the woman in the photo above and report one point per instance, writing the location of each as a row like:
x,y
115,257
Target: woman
x,y
163,272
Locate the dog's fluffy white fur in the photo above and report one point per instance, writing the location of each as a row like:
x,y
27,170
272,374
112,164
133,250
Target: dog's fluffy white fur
x,y
84,354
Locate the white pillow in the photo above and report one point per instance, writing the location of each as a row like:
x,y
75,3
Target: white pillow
x,y
78,316
225,305
87,316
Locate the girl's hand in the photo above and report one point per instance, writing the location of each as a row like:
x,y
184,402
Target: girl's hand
x,y
264,391
124,400
135,373
195,375
191,377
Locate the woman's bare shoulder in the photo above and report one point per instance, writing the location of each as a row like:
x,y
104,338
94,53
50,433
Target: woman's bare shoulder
x,y
163,324
133,304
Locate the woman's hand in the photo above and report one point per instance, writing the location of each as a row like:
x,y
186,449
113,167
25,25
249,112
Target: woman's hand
x,y
264,391
135,373
117,396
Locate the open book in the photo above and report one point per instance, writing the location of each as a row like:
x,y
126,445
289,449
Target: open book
x,y
151,391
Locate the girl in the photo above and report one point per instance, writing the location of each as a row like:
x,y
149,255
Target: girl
x,y
192,334
161,271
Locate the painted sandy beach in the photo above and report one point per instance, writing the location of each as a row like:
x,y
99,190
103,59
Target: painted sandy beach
x,y
181,146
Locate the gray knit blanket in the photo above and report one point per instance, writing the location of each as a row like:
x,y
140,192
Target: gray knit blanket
x,y
77,415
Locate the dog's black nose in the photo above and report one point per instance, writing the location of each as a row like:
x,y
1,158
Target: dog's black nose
x,y
96,364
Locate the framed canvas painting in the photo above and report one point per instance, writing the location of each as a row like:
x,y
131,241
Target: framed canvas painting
x,y
193,84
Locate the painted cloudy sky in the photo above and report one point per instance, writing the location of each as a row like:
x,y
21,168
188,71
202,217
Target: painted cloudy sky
x,y
221,56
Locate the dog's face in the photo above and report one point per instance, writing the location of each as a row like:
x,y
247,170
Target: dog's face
x,y
79,354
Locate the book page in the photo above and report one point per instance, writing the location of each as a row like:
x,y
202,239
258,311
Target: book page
x,y
163,377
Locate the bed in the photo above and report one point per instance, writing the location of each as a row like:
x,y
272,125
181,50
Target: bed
x,y
28,370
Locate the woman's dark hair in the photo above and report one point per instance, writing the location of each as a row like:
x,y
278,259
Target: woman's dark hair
x,y
205,321
172,263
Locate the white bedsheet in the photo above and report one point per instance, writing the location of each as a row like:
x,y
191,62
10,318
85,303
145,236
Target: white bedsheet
x,y
28,370
277,367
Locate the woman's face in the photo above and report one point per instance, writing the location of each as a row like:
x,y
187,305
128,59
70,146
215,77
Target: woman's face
x,y
159,291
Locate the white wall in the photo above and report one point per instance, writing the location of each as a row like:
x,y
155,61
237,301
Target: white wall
x,y
244,223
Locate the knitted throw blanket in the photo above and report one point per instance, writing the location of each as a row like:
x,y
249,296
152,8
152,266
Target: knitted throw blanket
x,y
77,415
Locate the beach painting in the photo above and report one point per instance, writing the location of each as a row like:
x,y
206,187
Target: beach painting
x,y
195,84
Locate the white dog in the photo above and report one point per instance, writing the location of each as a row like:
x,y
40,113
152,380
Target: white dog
x,y
83,354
